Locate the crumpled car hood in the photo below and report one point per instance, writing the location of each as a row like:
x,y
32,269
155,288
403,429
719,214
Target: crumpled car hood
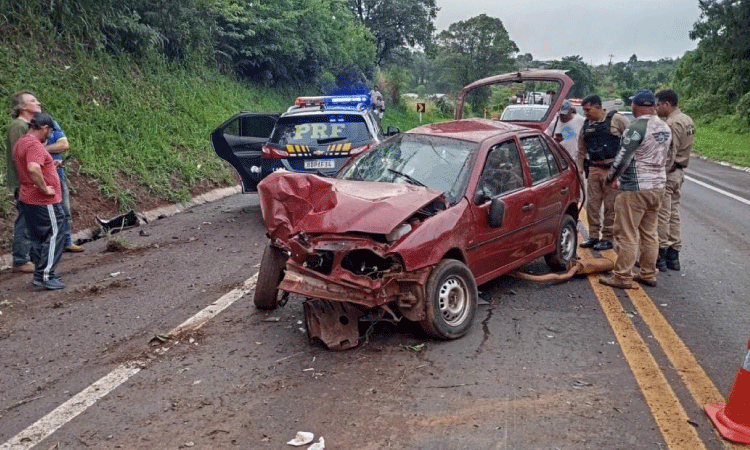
x,y
293,202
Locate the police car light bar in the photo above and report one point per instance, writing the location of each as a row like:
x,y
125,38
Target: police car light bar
x,y
346,101
308,101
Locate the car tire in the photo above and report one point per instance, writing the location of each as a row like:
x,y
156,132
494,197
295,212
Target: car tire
x,y
272,268
565,247
451,300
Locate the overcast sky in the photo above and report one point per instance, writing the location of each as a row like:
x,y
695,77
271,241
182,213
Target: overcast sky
x,y
594,29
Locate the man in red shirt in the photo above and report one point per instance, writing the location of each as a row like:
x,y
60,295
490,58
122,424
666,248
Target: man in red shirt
x,y
40,200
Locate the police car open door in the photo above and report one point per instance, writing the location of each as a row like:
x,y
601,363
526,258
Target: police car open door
x,y
239,141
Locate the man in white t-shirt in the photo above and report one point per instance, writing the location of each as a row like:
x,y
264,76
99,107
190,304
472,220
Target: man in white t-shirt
x,y
566,128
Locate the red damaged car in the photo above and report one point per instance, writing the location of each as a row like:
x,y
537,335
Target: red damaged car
x,y
409,229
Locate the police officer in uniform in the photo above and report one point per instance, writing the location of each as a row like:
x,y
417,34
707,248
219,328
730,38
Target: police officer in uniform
x,y
598,144
683,130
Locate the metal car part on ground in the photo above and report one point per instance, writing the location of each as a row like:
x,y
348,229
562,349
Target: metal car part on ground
x,y
409,229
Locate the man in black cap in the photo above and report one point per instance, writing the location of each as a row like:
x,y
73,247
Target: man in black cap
x,y
639,169
40,197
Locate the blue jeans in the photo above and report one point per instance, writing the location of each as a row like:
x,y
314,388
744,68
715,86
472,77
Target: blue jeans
x,y
21,238
67,221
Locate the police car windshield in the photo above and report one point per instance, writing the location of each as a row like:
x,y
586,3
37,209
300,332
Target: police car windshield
x,y
436,162
320,129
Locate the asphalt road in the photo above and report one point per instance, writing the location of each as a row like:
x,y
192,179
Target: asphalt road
x,y
567,365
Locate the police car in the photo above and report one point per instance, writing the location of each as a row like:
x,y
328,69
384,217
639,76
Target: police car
x,y
317,135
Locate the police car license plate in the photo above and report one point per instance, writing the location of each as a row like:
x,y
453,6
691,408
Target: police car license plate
x,y
319,164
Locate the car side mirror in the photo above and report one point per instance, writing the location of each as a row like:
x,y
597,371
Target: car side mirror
x,y
497,212
392,131
482,195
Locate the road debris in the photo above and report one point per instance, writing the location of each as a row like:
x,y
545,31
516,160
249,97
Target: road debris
x,y
415,347
159,339
119,223
302,438
320,445
579,384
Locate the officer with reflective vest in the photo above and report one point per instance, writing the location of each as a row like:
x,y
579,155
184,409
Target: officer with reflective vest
x,y
598,144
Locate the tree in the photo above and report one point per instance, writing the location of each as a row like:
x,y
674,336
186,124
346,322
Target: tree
x,y
474,49
579,72
277,40
396,23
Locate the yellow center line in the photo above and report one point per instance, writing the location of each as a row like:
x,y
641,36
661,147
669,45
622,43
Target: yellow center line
x,y
695,378
668,413
682,359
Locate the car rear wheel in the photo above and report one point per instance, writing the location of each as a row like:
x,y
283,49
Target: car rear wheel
x,y
565,250
272,268
451,300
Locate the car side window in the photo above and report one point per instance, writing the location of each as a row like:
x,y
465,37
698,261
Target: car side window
x,y
502,171
256,126
233,128
561,161
542,164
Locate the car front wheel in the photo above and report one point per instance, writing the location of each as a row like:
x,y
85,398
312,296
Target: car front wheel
x,y
565,250
272,268
451,300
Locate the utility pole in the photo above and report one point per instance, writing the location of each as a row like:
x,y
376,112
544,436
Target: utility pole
x,y
610,59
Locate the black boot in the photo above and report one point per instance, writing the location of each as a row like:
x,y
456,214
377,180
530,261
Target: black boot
x,y
661,260
673,259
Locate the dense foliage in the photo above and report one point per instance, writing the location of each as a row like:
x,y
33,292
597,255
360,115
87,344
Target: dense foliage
x,y
715,78
267,40
396,23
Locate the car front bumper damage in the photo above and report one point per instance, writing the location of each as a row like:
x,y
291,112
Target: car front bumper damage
x,y
338,300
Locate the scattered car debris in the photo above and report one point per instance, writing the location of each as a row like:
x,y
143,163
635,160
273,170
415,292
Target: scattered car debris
x,y
302,438
159,339
119,223
320,445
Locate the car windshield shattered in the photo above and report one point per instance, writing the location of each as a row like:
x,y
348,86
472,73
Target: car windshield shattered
x,y
435,162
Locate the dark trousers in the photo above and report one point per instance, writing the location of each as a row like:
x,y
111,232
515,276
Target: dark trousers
x,y
45,229
21,239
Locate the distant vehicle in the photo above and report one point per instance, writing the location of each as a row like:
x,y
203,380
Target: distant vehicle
x,y
523,112
575,102
316,135
618,102
628,115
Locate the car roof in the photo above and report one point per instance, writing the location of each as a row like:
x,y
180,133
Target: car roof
x,y
474,130
527,105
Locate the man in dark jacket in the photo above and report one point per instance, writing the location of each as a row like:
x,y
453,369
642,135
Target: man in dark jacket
x,y
597,146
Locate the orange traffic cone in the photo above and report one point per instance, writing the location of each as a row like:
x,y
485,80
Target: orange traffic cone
x,y
733,419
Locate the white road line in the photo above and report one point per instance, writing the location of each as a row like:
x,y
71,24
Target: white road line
x,y
79,403
720,191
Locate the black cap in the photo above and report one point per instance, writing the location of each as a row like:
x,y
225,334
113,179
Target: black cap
x,y
41,119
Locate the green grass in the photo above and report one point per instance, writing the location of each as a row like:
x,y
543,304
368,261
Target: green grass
x,y
129,124
718,144
406,117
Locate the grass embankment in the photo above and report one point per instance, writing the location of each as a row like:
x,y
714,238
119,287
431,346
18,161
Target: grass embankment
x,y
716,143
146,125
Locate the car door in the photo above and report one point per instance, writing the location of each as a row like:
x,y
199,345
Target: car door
x,y
549,191
239,141
493,250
